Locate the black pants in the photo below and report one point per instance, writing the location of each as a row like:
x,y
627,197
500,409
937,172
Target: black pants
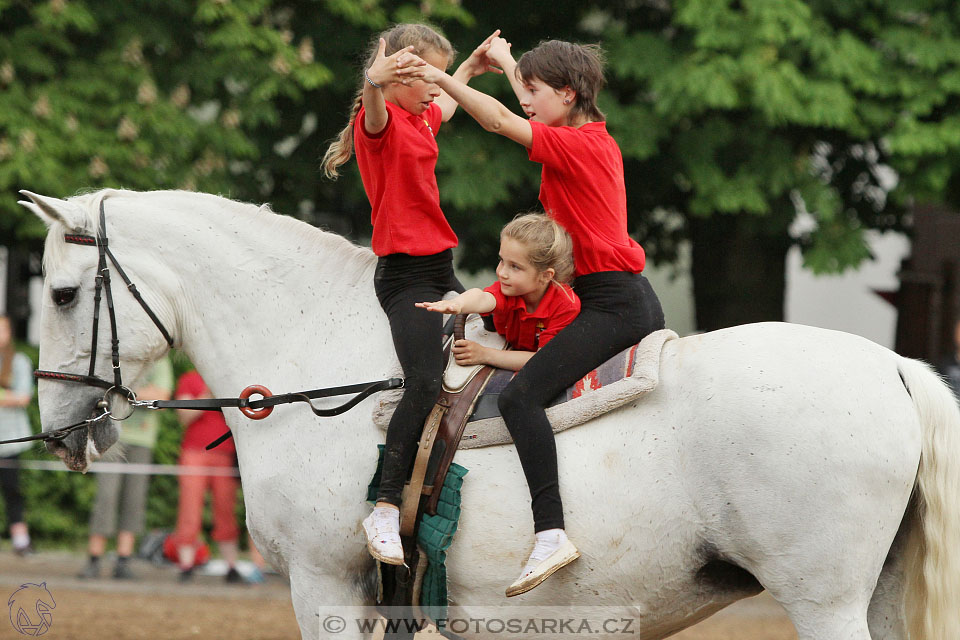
x,y
400,281
12,498
618,309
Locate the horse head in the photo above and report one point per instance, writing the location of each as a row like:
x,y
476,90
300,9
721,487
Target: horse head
x,y
66,319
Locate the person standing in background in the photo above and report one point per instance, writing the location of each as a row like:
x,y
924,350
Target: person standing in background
x,y
125,495
16,391
202,428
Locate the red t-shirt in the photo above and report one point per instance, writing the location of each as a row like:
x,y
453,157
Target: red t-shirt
x,y
398,167
210,425
532,331
582,188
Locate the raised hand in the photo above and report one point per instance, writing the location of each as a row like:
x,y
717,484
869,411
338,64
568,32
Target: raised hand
x,y
442,306
498,52
479,63
387,69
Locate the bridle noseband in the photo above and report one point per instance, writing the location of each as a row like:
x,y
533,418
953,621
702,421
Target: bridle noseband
x,y
114,390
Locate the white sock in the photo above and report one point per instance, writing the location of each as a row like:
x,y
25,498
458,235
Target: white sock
x,y
553,537
21,540
548,541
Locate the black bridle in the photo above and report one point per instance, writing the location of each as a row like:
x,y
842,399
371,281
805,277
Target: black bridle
x,y
116,391
102,288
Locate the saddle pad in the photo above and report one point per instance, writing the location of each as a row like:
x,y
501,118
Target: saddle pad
x,y
622,379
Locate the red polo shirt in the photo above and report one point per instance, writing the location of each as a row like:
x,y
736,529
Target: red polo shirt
x,y
527,331
210,425
582,188
398,170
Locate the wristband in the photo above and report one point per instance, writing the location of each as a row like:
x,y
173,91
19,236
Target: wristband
x,y
372,83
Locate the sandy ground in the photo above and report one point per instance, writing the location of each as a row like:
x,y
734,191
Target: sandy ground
x,y
157,607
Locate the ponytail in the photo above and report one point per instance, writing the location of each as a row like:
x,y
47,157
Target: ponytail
x,y
341,149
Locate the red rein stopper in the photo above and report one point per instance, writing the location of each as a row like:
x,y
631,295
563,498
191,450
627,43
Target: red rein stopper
x,y
250,412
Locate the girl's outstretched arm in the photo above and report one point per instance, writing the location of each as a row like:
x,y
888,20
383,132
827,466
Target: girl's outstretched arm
x,y
486,110
470,301
477,64
468,352
382,72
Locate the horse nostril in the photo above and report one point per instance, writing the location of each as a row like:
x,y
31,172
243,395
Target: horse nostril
x,y
57,448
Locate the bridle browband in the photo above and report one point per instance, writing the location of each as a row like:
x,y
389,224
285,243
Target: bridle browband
x,y
253,409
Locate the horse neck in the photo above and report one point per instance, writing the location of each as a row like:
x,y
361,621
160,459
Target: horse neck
x,y
270,300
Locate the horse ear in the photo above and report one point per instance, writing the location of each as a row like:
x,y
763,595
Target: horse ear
x,y
52,210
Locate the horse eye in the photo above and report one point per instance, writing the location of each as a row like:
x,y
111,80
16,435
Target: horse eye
x,y
64,296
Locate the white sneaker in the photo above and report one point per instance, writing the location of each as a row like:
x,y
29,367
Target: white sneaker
x,y
550,554
383,535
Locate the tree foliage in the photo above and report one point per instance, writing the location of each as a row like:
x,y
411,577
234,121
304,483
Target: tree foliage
x,y
770,107
175,94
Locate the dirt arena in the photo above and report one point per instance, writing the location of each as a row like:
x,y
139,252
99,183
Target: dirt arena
x,y
157,607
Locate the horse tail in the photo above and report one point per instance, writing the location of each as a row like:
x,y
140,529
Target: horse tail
x,y
932,563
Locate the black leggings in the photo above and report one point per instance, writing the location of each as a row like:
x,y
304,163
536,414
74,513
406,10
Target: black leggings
x,y
618,309
12,498
400,281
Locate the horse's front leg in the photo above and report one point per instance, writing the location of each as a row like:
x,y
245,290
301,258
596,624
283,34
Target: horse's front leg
x,y
328,605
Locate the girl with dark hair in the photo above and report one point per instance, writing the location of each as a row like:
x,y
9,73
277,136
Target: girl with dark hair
x,y
582,188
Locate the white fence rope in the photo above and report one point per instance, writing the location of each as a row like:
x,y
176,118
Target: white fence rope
x,y
123,467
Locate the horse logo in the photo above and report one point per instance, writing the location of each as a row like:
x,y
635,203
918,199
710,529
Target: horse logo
x,y
30,607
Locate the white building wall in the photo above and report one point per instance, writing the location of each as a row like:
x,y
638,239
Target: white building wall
x,y
847,301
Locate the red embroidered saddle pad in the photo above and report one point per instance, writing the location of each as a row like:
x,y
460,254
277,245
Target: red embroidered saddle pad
x,y
616,368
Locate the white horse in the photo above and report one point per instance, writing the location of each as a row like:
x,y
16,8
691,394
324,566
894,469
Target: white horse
x,y
810,463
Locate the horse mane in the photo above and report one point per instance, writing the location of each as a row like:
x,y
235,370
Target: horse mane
x,y
324,243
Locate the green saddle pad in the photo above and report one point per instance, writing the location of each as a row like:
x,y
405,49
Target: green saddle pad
x,y
434,536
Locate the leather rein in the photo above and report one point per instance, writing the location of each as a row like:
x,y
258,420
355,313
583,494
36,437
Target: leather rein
x,y
118,394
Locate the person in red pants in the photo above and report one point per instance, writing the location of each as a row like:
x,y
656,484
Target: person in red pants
x,y
202,428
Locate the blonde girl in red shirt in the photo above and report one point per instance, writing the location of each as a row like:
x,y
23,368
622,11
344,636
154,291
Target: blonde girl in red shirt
x,y
391,129
530,302
582,188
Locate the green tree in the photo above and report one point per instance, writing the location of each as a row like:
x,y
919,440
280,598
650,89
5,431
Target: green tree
x,y
764,108
140,95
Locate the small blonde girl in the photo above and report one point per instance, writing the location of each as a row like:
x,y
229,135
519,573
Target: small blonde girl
x,y
530,302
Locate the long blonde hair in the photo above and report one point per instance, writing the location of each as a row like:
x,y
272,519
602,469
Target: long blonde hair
x,y
424,39
547,243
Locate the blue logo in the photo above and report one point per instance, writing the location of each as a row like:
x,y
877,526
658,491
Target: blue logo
x,y
30,607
